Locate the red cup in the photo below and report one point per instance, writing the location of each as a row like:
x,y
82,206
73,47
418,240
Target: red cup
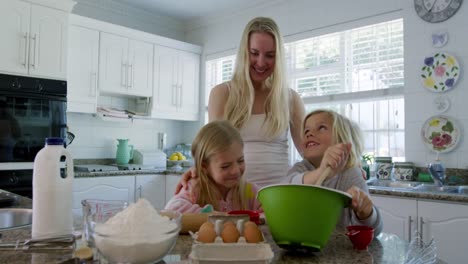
x,y
253,215
360,236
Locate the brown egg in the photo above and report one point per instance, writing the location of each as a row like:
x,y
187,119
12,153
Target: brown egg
x,y
228,223
230,234
250,223
206,234
207,224
252,234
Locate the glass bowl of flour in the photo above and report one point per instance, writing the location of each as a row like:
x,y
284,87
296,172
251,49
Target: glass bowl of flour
x,y
137,234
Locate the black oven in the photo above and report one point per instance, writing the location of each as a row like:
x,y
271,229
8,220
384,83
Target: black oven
x,y
31,109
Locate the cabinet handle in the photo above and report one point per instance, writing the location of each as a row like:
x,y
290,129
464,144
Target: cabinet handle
x,y
33,64
139,192
122,74
421,229
130,72
94,84
25,50
180,95
410,221
174,97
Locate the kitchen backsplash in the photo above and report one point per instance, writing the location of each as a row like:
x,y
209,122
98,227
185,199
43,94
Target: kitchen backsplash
x,y
96,138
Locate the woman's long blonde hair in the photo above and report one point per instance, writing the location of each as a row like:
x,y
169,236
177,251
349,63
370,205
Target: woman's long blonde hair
x,y
215,137
238,108
344,131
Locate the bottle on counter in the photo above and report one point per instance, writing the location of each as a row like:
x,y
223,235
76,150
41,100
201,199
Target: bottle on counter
x,y
52,190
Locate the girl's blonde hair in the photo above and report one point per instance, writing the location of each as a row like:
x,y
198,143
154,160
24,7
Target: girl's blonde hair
x,y
238,108
215,137
344,131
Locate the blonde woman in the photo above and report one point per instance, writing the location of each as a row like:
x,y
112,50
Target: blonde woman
x,y
218,153
258,102
332,140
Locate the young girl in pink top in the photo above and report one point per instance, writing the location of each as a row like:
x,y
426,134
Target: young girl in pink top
x,y
218,153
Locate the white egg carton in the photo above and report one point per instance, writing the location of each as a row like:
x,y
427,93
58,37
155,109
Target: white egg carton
x,y
220,252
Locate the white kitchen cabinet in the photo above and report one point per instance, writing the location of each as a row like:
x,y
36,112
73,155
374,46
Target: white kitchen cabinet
x,y
176,84
447,223
83,58
171,183
152,188
399,215
125,66
34,40
102,188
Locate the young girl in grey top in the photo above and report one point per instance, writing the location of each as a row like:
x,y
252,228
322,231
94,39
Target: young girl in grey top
x,y
332,140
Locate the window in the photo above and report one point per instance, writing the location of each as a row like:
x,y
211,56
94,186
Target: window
x,y
357,72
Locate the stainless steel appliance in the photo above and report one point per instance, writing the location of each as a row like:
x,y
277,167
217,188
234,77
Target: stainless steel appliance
x,y
31,109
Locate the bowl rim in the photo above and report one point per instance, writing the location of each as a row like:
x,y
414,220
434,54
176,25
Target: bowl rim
x,y
306,186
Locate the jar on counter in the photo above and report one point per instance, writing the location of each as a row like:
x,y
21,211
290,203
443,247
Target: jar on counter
x,y
403,171
383,168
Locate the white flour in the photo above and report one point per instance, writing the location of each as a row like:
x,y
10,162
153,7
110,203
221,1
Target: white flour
x,y
136,234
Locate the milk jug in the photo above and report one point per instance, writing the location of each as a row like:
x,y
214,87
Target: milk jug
x,y
52,190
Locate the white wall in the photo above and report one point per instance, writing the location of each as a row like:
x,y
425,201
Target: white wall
x,y
96,138
299,18
120,14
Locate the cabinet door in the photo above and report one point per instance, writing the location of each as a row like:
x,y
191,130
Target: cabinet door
x,y
140,73
171,182
113,64
48,42
165,82
82,70
447,224
102,188
398,215
14,30
152,188
189,65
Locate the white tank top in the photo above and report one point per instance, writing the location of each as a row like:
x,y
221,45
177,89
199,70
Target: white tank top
x,y
267,162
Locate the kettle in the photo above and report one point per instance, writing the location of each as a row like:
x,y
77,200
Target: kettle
x,y
124,151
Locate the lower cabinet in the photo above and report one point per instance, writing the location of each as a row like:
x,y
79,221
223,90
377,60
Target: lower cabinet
x,y
399,215
446,222
171,183
156,188
102,188
152,188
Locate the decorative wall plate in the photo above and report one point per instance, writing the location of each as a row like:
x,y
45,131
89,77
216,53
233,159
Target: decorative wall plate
x,y
441,103
440,72
440,133
439,39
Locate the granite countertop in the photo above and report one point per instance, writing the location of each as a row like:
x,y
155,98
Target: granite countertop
x,y
79,174
386,248
412,194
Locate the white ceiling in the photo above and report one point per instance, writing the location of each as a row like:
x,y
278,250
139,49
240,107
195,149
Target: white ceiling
x,y
186,10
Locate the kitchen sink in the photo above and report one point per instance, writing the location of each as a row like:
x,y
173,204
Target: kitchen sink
x,y
15,218
444,189
392,184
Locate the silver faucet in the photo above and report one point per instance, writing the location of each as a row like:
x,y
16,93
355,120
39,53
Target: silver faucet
x,y
437,171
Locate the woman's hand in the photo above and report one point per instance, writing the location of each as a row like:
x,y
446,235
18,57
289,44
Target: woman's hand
x,y
183,183
361,203
336,157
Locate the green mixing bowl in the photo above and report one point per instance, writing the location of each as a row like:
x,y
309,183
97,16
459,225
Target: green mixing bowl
x,y
302,215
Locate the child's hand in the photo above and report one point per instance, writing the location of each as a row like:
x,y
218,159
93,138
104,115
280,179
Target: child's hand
x,y
336,157
361,203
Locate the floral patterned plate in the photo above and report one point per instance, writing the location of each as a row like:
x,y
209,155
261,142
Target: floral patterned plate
x,y
440,72
441,134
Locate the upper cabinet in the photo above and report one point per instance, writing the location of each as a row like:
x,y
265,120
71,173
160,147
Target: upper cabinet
x,y
151,75
126,66
83,58
176,84
34,40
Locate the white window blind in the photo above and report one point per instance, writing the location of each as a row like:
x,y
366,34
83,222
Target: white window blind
x,y
357,72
